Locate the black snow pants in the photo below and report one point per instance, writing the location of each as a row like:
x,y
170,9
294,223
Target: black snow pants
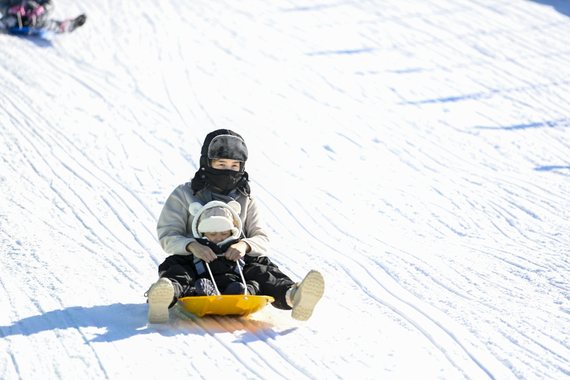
x,y
273,282
181,272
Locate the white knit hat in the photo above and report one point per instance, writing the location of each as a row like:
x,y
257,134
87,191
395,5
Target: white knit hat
x,y
216,216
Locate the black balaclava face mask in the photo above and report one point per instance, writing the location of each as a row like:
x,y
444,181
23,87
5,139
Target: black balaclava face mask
x,y
221,144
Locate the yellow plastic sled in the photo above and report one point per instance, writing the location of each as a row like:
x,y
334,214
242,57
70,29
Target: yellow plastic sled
x,y
240,305
227,304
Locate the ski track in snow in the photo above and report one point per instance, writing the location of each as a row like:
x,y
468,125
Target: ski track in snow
x,y
414,152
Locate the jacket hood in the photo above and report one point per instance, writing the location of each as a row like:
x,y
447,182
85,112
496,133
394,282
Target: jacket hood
x,y
216,216
222,143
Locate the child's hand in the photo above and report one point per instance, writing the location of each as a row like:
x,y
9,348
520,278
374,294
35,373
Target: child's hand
x,y
201,251
36,12
236,251
17,9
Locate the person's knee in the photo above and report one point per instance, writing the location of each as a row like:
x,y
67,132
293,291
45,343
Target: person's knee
x,y
176,271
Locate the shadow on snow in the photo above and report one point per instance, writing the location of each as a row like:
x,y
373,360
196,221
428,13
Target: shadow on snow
x,y
41,42
121,321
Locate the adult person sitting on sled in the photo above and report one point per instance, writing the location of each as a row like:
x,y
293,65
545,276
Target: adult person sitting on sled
x,y
27,13
218,226
222,177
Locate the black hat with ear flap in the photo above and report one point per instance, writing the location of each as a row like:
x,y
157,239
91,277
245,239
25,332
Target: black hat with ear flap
x,y
228,147
222,144
224,135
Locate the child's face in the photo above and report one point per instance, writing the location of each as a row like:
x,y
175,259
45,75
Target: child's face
x,y
216,237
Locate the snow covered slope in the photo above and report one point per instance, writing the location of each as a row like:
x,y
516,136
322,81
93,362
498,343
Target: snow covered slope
x,y
416,152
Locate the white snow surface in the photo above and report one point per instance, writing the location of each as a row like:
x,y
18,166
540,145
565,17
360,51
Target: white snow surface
x,y
416,152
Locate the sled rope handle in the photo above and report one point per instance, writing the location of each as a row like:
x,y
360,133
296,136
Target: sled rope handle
x,y
212,277
242,278
214,281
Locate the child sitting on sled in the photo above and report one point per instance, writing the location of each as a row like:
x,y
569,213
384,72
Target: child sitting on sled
x,y
219,227
216,225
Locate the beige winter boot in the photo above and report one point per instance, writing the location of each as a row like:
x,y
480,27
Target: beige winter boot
x,y
304,295
160,296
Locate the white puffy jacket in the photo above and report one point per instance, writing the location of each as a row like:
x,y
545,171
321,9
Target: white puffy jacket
x,y
174,226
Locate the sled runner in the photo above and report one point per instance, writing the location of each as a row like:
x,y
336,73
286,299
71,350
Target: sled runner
x,y
32,32
240,305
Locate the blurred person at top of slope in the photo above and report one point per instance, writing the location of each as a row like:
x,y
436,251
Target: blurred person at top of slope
x,y
19,13
222,177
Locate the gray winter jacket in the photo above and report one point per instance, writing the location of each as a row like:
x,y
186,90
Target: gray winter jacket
x,y
28,4
174,226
